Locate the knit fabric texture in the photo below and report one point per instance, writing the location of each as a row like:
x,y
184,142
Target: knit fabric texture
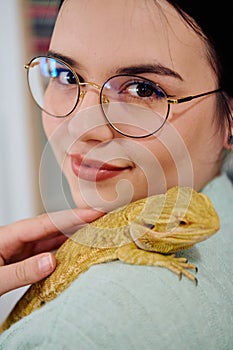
x,y
119,306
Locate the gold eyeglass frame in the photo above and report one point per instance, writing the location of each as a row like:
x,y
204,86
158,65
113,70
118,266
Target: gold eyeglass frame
x,y
104,99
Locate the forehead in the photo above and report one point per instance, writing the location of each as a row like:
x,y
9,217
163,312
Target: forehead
x,y
115,32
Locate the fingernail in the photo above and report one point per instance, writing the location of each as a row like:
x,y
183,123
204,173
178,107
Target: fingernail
x,y
45,263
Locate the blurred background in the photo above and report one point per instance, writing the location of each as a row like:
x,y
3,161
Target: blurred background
x,y
25,27
25,30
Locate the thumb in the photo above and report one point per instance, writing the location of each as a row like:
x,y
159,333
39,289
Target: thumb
x,y
26,272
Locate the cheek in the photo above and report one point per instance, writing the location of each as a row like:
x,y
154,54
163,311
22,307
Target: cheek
x,y
56,133
172,154
200,133
50,124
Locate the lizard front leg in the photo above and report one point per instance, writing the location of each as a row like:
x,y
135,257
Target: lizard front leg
x,y
131,254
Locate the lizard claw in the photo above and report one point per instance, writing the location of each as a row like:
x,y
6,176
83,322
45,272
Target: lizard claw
x,y
179,266
133,255
194,279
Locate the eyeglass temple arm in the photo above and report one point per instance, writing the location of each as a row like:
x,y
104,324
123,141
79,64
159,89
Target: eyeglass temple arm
x,y
189,98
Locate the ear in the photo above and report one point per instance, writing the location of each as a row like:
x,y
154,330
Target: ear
x,y
228,140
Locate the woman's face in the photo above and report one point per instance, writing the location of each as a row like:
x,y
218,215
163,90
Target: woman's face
x,y
103,38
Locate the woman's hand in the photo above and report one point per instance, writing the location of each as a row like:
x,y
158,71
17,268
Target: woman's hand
x,y
25,245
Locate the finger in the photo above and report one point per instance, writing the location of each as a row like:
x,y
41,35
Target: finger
x,y
20,251
45,226
70,221
26,272
28,237
49,244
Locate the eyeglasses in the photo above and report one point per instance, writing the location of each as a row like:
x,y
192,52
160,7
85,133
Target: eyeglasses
x,y
133,106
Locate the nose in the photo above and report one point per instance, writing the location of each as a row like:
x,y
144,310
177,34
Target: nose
x,y
95,86
89,122
87,89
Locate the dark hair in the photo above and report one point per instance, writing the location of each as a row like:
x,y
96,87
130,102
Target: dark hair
x,y
213,23
216,23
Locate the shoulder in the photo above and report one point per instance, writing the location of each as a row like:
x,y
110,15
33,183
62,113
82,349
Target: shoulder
x,y
118,306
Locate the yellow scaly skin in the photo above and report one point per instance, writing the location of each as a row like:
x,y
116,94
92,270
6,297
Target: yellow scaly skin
x,y
146,232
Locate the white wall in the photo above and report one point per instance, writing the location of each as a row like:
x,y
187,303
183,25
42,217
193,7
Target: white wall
x,y
17,193
17,198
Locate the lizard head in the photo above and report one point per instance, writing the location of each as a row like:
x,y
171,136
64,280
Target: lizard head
x,y
174,221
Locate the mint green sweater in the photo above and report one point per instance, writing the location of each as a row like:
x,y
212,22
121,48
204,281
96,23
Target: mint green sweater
x,y
124,307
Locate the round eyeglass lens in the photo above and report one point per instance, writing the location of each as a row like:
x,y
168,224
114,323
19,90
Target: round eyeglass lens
x,y
53,85
134,106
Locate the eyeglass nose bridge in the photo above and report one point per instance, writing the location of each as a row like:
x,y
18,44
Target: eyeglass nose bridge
x,y
104,99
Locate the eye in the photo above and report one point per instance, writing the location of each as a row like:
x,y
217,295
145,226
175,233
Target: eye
x,y
50,68
182,223
150,226
64,76
143,89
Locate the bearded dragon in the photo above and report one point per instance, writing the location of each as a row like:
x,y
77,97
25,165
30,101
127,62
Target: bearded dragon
x,y
146,232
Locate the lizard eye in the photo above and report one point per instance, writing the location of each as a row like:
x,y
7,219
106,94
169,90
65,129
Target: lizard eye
x,y
150,226
182,222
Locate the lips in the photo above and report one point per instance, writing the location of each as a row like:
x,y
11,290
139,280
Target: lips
x,y
94,170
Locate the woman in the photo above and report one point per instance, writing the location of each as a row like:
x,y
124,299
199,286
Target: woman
x,y
112,62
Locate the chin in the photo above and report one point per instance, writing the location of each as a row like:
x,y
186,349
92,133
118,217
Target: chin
x,y
105,199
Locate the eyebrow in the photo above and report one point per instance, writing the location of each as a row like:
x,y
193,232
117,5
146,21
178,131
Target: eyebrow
x,y
64,58
149,68
156,68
